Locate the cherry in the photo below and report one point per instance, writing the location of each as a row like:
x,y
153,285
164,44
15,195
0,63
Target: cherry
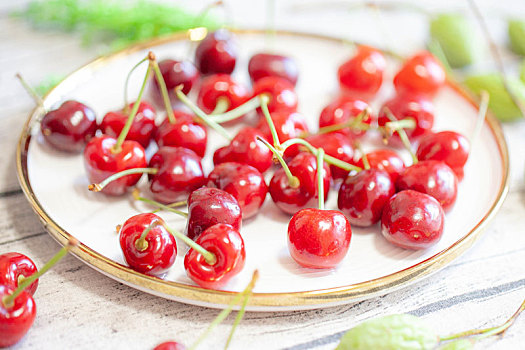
x,y
14,267
170,345
446,146
280,91
242,181
336,145
420,74
16,319
342,110
146,244
432,177
142,128
384,159
69,127
220,88
292,197
363,196
210,206
177,73
362,75
184,132
216,53
179,173
263,65
101,161
247,149
412,220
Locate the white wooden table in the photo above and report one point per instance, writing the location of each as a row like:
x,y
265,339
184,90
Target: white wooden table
x,y
80,308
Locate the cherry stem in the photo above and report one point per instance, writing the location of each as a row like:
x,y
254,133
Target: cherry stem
x,y
246,107
487,332
293,181
208,256
36,97
366,163
136,196
173,205
264,107
117,148
126,84
482,114
8,300
200,113
399,125
224,313
327,158
221,105
100,186
320,182
238,318
141,244
354,123
163,88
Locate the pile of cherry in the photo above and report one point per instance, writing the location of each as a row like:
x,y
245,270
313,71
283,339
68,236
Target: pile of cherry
x,y
409,201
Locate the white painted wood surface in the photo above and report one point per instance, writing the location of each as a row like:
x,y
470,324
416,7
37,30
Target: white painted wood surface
x,y
80,308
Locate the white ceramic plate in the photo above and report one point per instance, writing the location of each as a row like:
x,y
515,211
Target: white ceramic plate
x,y
56,186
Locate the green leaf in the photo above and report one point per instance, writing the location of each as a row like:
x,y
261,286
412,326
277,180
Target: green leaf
x,y
457,37
460,344
522,71
396,332
47,84
516,30
501,102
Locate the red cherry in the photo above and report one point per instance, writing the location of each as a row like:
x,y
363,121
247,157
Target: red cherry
x,y
221,86
264,65
226,243
247,149
342,110
141,130
16,320
159,253
183,133
447,146
242,181
337,146
180,172
412,220
419,108
69,127
210,206
290,199
14,266
363,196
362,75
216,53
432,177
420,74
318,239
386,160
281,92
101,162
176,73
170,345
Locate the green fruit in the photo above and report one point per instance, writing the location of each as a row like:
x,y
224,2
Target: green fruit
x,y
516,30
457,38
500,102
460,344
397,332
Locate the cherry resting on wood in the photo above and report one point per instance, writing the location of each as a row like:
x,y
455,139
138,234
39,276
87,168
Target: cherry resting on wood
x,y
384,159
216,53
280,91
158,250
242,181
263,65
177,73
141,130
341,110
210,206
15,320
69,127
412,220
221,86
14,266
226,243
422,74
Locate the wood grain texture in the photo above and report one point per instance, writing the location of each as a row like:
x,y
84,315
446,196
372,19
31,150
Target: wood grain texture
x,y
80,308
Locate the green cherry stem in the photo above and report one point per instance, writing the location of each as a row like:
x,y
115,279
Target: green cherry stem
x,y
224,313
100,186
366,163
238,318
200,113
235,113
208,256
8,300
397,125
126,83
36,97
136,196
482,114
221,106
172,205
293,181
163,89
264,107
353,123
141,244
320,182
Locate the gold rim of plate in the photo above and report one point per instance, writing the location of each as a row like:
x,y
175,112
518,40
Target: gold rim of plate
x,y
259,301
